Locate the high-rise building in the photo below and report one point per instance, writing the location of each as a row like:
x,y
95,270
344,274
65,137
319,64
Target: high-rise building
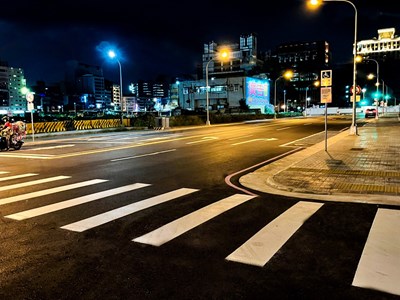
x,y
12,81
85,83
242,57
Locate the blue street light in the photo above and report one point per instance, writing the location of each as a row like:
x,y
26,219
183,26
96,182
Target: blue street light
x,y
113,55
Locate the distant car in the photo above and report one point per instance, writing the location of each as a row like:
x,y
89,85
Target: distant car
x,y
370,112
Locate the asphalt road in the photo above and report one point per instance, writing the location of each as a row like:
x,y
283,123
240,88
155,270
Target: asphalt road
x,y
160,215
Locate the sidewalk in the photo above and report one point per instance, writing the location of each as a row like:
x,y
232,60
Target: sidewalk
x,y
362,168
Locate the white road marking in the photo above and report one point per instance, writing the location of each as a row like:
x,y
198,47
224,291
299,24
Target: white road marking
x,y
4,172
176,228
143,155
255,140
73,202
33,182
23,155
52,147
260,248
379,266
49,191
240,137
295,141
283,128
125,210
17,176
204,139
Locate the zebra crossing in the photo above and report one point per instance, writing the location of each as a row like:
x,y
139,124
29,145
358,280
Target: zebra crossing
x,y
378,268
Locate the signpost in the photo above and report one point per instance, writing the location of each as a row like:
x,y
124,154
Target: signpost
x,y
30,97
357,95
326,97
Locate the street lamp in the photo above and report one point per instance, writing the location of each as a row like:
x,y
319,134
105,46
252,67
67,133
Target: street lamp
x,y
288,74
353,127
223,55
316,84
113,55
377,81
207,99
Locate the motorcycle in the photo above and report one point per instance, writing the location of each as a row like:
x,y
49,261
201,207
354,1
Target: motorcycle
x,y
13,136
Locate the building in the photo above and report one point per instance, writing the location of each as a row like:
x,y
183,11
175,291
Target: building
x,y
242,57
149,94
386,46
12,82
246,78
306,60
86,86
381,55
229,83
225,94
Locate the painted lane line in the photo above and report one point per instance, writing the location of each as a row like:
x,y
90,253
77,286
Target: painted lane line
x,y
143,155
176,228
379,266
17,176
73,202
4,172
125,210
53,147
34,156
295,141
255,140
261,247
50,191
283,128
204,139
34,182
240,137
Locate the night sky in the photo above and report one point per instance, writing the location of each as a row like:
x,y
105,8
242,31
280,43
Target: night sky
x,y
166,37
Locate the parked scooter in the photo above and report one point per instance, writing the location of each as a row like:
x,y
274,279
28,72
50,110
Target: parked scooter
x,y
13,136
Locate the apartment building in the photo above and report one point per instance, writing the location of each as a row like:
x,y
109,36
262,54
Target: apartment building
x,y
12,82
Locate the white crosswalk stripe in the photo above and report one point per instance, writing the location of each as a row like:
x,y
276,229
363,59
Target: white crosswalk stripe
x,y
50,191
126,210
17,176
379,266
73,202
174,229
259,249
32,182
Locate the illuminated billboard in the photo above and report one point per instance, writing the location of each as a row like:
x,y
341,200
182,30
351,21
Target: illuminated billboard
x,y
258,93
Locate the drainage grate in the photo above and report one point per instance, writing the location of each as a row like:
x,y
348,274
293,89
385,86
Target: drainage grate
x,y
357,149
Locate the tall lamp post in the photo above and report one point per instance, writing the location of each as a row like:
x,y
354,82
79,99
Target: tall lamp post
x,y
223,55
353,127
315,83
377,82
207,96
113,55
287,75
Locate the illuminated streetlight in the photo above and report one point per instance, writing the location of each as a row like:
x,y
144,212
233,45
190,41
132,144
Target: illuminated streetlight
x,y
223,55
113,55
359,58
287,75
353,128
316,84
